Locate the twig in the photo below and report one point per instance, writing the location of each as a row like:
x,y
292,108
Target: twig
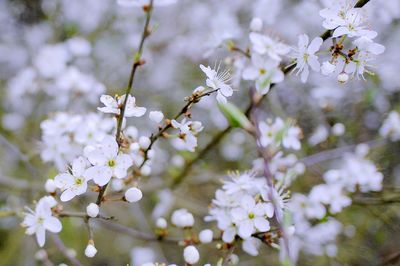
x,y
136,63
190,102
135,233
336,153
268,176
228,255
24,159
64,250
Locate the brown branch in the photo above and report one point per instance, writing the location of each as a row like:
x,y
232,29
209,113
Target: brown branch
x,y
136,63
195,98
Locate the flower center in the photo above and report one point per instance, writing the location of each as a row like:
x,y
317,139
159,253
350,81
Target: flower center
x,y
78,181
40,220
263,71
251,215
111,163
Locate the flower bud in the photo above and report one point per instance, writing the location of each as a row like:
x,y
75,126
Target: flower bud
x,y
206,236
182,218
256,24
161,223
156,116
50,186
92,210
338,129
133,194
343,78
146,170
191,255
144,142
90,251
327,68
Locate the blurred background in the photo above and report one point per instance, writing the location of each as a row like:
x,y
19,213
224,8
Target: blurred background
x,y
61,55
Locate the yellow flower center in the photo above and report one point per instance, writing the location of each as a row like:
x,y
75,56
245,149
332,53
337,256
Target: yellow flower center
x,y
111,163
78,181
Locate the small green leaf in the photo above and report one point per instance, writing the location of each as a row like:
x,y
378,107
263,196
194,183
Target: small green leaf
x,y
235,116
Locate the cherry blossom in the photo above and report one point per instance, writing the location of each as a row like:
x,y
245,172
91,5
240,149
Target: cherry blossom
x,y
107,162
74,183
218,81
40,220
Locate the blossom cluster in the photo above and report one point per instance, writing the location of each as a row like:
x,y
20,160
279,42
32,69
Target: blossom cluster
x,y
356,174
242,208
75,67
58,72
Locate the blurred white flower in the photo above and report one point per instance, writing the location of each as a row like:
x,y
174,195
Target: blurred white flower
x,y
40,220
191,255
305,56
141,3
182,218
264,71
265,45
391,127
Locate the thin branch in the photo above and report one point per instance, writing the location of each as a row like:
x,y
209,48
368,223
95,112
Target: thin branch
x,y
195,98
225,261
116,227
136,63
24,159
336,153
64,250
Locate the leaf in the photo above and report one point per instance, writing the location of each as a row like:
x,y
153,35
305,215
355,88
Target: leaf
x,y
235,116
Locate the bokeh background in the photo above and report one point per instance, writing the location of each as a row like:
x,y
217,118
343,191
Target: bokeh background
x,y
188,33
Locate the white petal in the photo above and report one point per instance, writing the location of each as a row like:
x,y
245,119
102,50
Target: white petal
x,y
303,41
313,63
304,74
221,98
63,181
250,73
108,101
79,166
135,111
101,175
261,224
246,229
247,202
41,235
52,224
315,45
67,195
340,31
229,235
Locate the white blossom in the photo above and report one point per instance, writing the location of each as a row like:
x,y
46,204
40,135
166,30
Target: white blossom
x,y
218,81
107,161
42,219
305,56
114,106
74,183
